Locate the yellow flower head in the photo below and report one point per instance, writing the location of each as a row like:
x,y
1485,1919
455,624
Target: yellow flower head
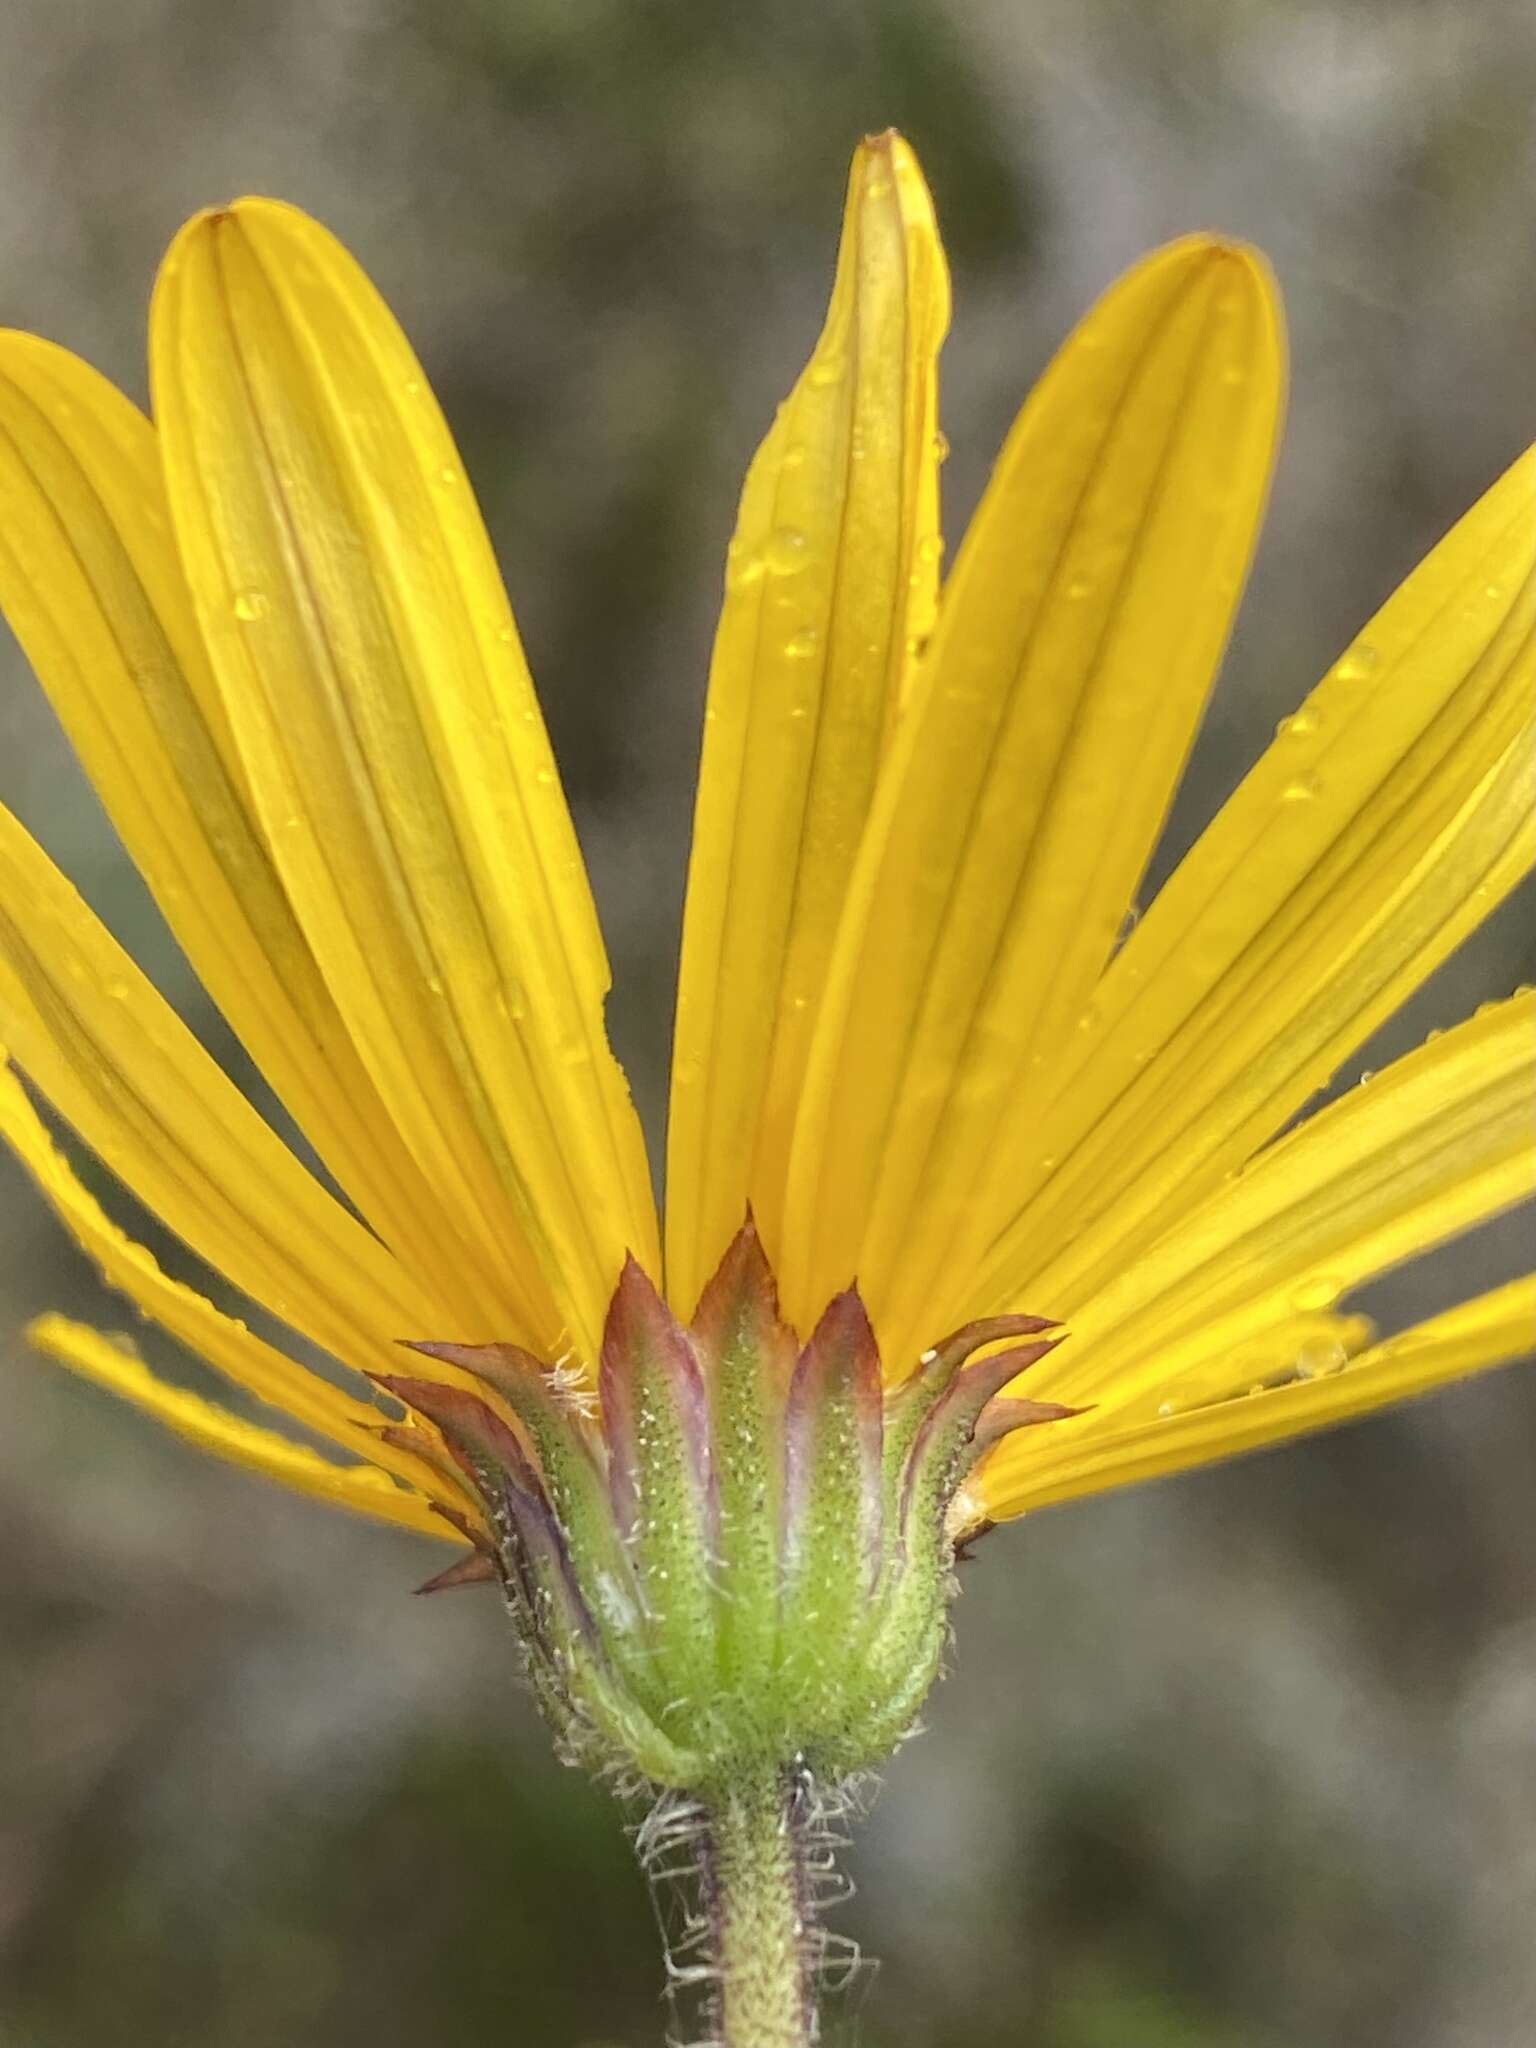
x,y
908,1036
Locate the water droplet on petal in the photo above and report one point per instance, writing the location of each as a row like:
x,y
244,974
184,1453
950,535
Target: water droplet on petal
x,y
1298,726
251,605
1301,791
802,645
1354,666
1080,587
1320,1357
941,446
784,551
930,548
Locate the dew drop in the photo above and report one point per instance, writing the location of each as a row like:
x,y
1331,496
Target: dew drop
x,y
447,474
251,605
1079,588
930,548
1357,663
743,566
1299,726
1234,373
802,645
1319,1358
413,387
1165,1408
794,455
1367,1076
1301,791
784,551
941,446
545,778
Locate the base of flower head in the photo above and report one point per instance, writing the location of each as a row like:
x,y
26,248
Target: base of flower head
x,y
736,1557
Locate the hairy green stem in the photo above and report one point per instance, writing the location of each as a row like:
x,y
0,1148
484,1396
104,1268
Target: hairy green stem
x,y
757,1900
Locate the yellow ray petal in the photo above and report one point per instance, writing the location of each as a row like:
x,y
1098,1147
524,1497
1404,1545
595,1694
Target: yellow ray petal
x,y
832,582
371,672
115,1060
1075,648
219,1339
1039,1466
1436,1143
362,1488
1390,816
90,582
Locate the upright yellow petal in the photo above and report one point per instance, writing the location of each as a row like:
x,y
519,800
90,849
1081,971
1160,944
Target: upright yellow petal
x,y
831,586
386,721
1037,1467
1074,651
115,1060
1392,813
90,582
362,1488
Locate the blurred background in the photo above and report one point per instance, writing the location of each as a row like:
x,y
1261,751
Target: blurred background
x,y
1247,1759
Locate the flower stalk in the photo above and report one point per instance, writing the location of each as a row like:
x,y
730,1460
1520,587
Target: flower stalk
x,y
763,1952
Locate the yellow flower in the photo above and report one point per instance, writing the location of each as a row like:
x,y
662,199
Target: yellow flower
x,y
273,629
